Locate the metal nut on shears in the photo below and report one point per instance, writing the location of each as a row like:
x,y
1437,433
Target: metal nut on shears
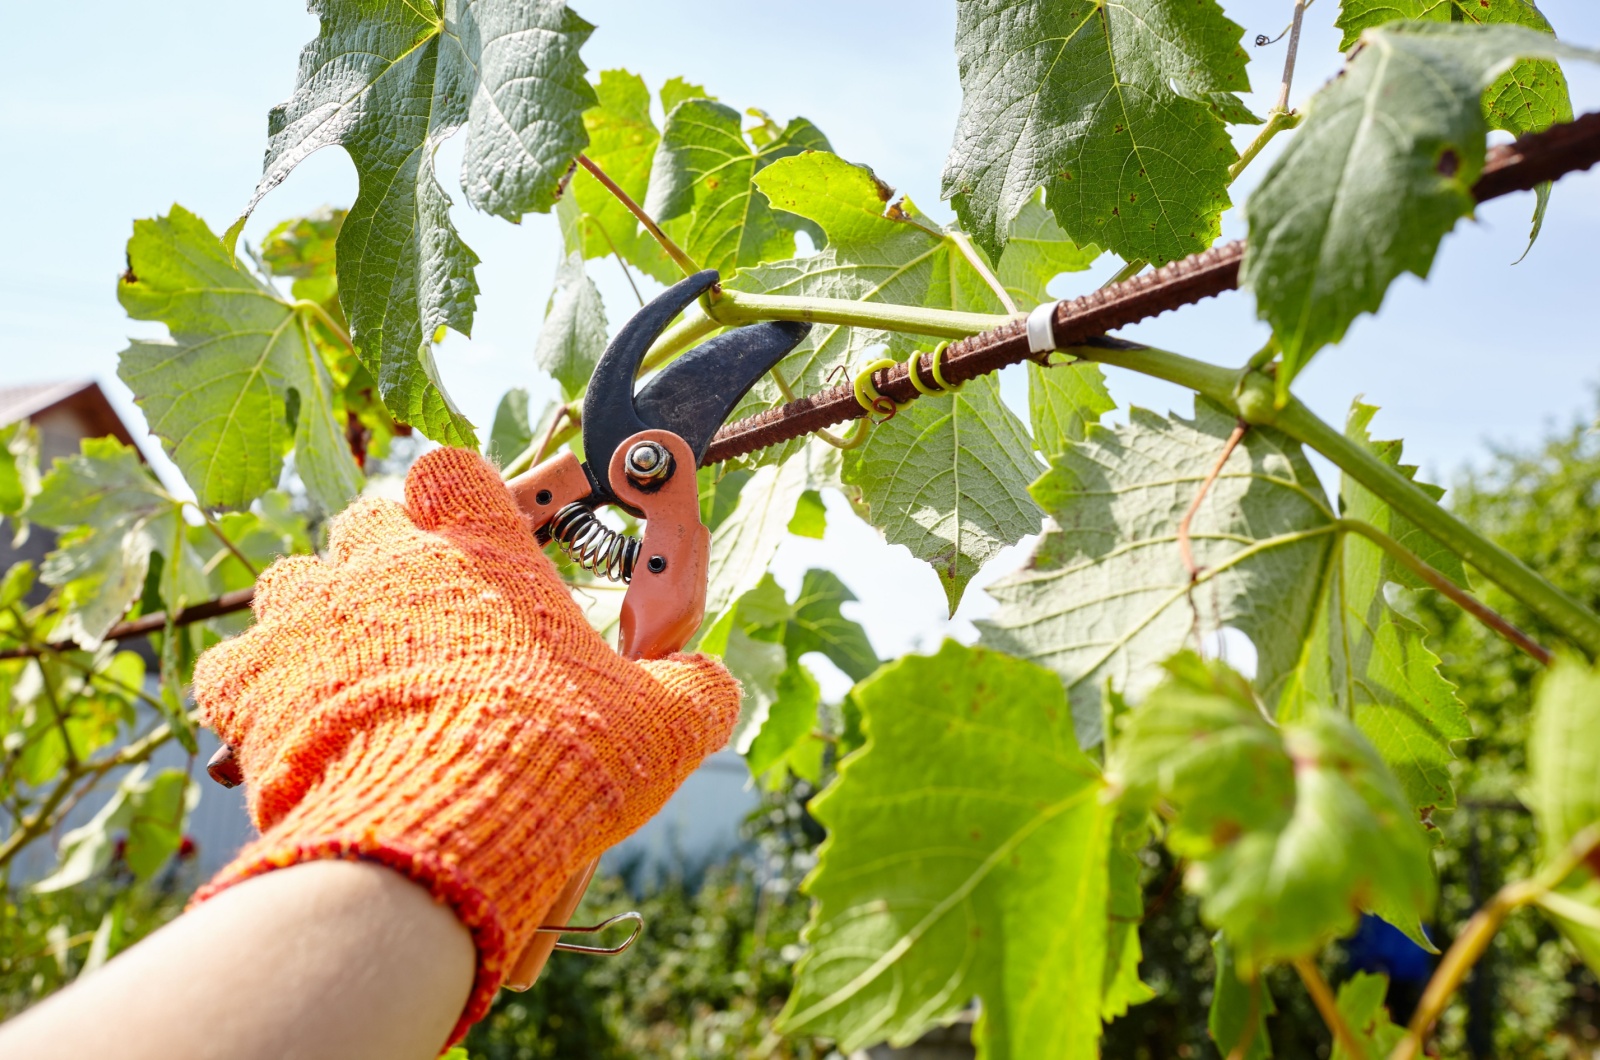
x,y
648,462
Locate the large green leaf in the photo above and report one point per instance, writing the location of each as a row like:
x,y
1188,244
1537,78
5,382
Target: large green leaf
x,y
1564,792
1380,170
966,856
948,478
1118,109
883,252
1105,595
701,184
389,81
1529,97
574,331
115,515
219,394
622,142
1288,831
1368,658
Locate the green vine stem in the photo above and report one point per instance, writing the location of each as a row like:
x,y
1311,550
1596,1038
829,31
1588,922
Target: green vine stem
x,y
1128,271
1565,614
736,308
1328,1007
1249,395
1480,931
46,817
1277,122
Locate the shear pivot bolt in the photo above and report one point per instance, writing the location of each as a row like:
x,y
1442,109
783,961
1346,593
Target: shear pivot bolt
x,y
647,462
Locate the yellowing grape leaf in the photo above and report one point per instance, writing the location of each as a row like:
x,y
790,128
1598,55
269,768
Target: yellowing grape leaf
x,y
1117,109
1288,831
966,856
219,393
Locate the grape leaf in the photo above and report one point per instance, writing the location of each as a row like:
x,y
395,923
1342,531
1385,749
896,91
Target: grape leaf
x,y
1037,251
1063,402
511,433
19,468
701,185
878,252
115,515
1238,1008
1105,594
676,90
744,543
719,492
948,478
810,517
151,812
1381,168
1120,987
622,142
1288,831
1361,1004
302,248
218,394
1118,110
815,624
1369,659
790,721
574,331
1529,97
966,855
1564,793
390,82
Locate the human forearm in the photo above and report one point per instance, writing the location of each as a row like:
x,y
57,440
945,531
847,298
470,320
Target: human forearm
x,y
329,959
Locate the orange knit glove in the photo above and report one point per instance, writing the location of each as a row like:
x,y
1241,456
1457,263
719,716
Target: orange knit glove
x,y
429,697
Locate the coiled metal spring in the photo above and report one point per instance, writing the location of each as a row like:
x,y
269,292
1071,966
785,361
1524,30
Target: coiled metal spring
x,y
593,545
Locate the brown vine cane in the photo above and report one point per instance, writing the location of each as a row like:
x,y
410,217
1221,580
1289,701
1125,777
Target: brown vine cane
x,y
1521,166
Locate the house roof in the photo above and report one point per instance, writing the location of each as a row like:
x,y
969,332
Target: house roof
x,y
81,399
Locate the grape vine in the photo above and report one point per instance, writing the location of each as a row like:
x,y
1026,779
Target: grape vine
x,y
984,803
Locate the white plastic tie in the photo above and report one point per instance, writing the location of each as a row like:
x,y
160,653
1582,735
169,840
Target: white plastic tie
x,y
1042,328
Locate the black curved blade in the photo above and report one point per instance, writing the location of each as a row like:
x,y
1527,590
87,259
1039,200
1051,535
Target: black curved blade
x,y
692,396
609,415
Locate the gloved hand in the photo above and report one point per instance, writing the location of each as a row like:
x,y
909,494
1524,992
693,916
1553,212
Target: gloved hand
x,y
429,696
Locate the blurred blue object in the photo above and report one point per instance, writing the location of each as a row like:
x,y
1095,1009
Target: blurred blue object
x,y
1378,946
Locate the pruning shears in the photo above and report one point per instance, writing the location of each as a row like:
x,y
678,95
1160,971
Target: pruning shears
x,y
642,451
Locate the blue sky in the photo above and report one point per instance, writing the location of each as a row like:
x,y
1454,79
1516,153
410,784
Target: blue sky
x,y
115,113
